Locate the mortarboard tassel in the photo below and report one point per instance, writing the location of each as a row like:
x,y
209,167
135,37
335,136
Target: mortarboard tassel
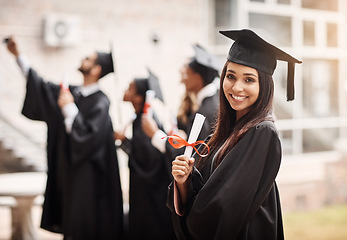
x,y
290,82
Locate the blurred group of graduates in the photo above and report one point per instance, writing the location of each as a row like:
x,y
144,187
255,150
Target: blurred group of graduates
x,y
83,197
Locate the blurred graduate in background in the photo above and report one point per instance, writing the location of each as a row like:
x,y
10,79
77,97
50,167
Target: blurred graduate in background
x,y
150,172
83,197
201,96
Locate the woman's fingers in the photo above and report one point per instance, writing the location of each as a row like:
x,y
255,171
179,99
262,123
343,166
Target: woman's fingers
x,y
181,168
180,164
178,172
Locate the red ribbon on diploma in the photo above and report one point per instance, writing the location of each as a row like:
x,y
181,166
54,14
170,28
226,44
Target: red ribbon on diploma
x,y
181,143
146,107
64,87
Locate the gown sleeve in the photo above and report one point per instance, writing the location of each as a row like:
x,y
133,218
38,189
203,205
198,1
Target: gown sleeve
x,y
91,129
40,102
222,206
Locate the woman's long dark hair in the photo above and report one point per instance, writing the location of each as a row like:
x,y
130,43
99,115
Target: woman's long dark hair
x,y
228,131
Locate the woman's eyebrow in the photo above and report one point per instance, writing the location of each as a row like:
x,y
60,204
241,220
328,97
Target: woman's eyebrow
x,y
250,74
245,74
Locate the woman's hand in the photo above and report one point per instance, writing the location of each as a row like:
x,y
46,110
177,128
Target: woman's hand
x,y
149,126
117,135
182,167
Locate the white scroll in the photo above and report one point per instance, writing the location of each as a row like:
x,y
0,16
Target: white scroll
x,y
150,96
194,132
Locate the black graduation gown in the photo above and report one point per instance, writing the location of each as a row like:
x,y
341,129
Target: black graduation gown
x,y
208,108
83,198
149,218
239,200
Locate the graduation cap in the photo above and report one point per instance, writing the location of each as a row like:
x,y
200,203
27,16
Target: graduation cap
x,y
251,50
153,84
150,83
206,64
105,60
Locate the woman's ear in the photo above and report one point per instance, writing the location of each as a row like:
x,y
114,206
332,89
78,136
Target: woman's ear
x,y
138,99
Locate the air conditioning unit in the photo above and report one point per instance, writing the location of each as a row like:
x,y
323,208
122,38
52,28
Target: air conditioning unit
x,y
61,30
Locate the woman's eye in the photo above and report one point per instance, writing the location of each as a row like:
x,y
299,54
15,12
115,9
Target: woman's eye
x,y
230,76
250,80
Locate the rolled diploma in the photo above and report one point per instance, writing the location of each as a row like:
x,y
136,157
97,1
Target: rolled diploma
x,y
150,96
65,82
194,132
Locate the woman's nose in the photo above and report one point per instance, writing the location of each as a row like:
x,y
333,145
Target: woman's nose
x,y
238,86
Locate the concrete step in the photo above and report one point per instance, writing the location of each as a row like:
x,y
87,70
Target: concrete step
x,y
18,152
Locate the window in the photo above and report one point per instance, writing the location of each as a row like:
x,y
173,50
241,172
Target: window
x,y
225,12
283,2
328,5
280,81
309,38
277,28
320,88
319,139
332,34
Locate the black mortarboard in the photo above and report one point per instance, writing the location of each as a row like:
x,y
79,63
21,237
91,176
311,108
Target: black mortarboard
x,y
150,83
105,60
153,84
206,64
251,50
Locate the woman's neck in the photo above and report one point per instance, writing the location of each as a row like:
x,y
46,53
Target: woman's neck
x,y
138,107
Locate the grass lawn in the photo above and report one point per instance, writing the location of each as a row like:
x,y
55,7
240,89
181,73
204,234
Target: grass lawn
x,y
329,223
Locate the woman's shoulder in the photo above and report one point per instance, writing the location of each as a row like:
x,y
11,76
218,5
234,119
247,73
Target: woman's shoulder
x,y
262,131
266,124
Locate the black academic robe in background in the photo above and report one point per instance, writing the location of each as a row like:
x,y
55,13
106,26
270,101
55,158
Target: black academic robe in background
x,y
83,198
149,218
238,200
208,108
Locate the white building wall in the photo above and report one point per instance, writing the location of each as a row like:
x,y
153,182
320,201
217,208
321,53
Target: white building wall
x,y
128,25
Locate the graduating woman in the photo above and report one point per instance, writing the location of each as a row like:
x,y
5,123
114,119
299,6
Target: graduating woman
x,y
232,193
149,218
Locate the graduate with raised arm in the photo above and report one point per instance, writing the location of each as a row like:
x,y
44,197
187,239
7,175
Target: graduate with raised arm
x,y
232,193
150,174
83,197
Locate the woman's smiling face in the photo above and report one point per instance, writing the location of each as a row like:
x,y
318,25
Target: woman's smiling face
x,y
241,87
